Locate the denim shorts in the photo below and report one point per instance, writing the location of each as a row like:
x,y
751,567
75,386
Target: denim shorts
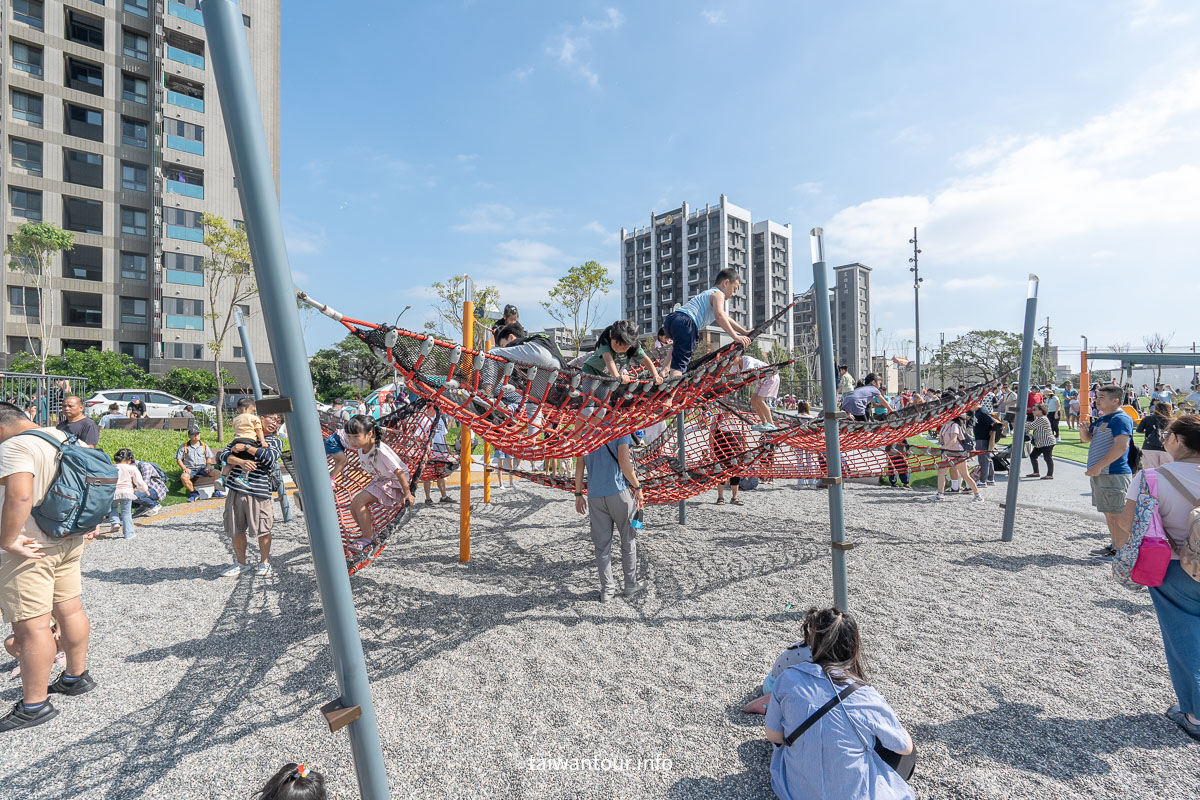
x,y
333,445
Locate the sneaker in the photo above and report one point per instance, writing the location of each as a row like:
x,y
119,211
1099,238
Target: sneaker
x,y
1176,715
1105,555
114,527
20,717
130,535
428,501
1034,475
85,683
1107,550
1048,478
606,596
233,570
218,494
977,498
762,428
263,568
447,499
636,589
193,497
939,496
153,510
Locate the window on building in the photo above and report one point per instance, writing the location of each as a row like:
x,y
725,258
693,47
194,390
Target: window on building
x,y
84,122
25,344
139,7
185,49
27,58
85,29
184,93
86,169
182,218
133,221
133,265
136,45
26,155
80,345
133,311
83,216
23,302
246,20
135,90
133,176
180,350
83,310
31,12
135,350
85,76
27,107
244,308
239,352
134,132
183,268
84,263
25,203
184,136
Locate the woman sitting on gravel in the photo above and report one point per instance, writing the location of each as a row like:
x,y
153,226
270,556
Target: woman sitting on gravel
x,y
834,757
1177,599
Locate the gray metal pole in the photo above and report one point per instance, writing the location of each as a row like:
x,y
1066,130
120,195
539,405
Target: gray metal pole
x,y
917,279
252,164
682,461
249,354
1014,461
829,401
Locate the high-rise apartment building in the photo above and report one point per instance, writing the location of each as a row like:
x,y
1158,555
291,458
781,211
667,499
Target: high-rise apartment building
x,y
112,129
850,312
679,253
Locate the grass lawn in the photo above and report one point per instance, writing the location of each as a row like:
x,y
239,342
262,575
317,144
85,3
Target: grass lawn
x,y
158,447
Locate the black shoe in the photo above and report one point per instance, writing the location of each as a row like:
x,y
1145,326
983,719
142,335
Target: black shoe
x,y
636,588
20,717
84,684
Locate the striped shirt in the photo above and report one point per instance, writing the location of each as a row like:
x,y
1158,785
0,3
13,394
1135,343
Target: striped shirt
x,y
1040,430
258,482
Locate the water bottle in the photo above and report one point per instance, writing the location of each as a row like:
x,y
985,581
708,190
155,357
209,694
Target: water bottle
x,y
636,522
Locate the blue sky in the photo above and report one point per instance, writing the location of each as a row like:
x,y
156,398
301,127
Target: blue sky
x,y
512,140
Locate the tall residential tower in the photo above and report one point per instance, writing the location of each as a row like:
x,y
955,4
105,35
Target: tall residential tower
x,y
112,129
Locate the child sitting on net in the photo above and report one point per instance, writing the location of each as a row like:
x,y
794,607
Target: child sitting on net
x,y
617,349
293,782
390,487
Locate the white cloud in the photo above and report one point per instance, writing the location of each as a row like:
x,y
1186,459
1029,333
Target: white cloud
x,y
499,218
1151,14
979,283
808,187
303,238
522,73
713,17
467,161
1095,180
610,237
569,47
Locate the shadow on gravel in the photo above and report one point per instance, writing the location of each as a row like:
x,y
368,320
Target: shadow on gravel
x,y
754,782
1016,563
1125,606
247,649
1058,747
144,576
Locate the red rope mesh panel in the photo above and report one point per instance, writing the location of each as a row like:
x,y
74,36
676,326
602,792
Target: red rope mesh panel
x,y
530,412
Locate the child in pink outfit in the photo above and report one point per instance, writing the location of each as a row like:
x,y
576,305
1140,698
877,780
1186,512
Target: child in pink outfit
x,y
390,486
129,479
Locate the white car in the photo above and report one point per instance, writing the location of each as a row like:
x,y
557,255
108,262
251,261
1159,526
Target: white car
x,y
158,404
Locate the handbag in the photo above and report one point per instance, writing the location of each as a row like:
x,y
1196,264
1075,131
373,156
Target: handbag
x,y
1145,556
904,764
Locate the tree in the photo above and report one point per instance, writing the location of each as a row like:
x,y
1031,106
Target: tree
x,y
983,356
360,364
571,299
329,375
32,248
196,385
230,281
449,309
103,369
1157,343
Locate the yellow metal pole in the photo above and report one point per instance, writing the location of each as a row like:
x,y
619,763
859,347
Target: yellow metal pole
x,y
464,443
487,448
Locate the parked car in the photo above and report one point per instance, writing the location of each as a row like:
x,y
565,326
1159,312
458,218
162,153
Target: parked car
x,y
158,404
231,401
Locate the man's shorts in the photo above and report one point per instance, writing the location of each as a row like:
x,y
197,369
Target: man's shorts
x,y
683,333
1108,492
202,472
29,587
333,445
253,516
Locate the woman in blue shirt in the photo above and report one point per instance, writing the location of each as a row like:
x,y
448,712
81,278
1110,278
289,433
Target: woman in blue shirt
x,y
835,758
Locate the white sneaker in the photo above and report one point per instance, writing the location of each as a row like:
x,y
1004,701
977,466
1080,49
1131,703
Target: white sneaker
x,y
977,498
233,570
153,510
939,496
263,568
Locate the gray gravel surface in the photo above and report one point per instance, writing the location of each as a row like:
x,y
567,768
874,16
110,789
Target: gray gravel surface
x,y
1022,670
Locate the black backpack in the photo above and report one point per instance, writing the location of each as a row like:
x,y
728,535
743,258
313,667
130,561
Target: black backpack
x,y
543,341
1135,457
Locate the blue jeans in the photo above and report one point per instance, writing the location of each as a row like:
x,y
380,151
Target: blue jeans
x,y
125,509
1177,603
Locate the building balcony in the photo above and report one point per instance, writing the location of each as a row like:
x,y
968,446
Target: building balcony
x,y
182,323
185,145
185,101
186,189
185,278
185,13
184,57
185,233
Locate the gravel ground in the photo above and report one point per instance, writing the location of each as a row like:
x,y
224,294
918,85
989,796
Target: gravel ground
x,y
1022,670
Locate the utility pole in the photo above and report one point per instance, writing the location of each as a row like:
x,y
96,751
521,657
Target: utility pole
x,y
916,301
1047,367
942,362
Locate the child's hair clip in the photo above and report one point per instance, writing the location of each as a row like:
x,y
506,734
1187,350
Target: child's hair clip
x,y
301,771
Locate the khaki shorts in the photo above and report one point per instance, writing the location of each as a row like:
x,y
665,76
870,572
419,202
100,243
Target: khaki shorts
x,y
1108,492
253,516
30,587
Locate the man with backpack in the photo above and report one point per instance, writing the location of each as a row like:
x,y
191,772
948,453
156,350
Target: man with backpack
x,y
39,574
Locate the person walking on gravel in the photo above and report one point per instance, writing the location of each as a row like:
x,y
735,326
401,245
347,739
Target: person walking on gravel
x,y
39,576
1108,438
614,495
249,507
1043,442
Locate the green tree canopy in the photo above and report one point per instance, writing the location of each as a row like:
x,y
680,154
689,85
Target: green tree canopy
x,y
103,369
196,385
981,356
229,278
451,295
573,301
32,249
